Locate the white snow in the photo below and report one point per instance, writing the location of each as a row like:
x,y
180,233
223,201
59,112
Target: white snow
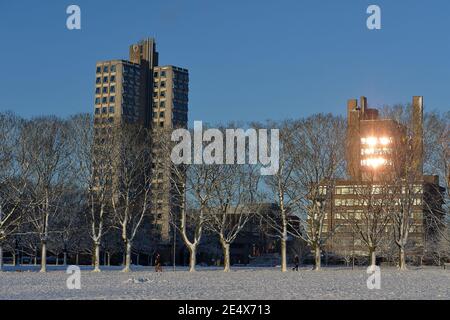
x,y
212,283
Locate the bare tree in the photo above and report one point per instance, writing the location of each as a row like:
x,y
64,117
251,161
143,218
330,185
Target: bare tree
x,y
191,189
46,153
95,152
69,225
318,161
279,184
406,181
311,157
437,161
372,222
12,182
235,201
131,197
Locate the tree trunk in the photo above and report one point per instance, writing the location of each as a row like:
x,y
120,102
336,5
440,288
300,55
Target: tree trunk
x,y
373,257
77,258
402,259
43,256
56,259
65,258
317,260
226,256
192,257
109,258
96,257
127,257
1,258
283,255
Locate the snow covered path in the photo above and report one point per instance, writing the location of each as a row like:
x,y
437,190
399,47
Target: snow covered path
x,y
241,283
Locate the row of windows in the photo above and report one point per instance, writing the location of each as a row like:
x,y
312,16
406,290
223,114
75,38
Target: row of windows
x,y
156,74
98,80
375,151
180,86
106,69
181,76
160,123
357,214
104,120
129,70
161,104
177,117
98,90
377,202
161,115
104,110
375,189
112,99
162,94
160,84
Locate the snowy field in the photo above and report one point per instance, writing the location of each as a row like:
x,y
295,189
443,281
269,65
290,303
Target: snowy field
x,y
241,283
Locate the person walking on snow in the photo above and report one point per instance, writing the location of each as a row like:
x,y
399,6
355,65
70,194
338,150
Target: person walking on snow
x,y
158,267
296,262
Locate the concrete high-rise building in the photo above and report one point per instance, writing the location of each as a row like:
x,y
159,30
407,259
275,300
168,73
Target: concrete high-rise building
x,y
138,91
384,161
117,94
170,111
371,141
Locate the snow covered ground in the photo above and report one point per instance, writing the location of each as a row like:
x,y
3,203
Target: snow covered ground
x,y
241,283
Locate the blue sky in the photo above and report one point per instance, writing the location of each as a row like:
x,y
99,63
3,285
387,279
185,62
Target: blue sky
x,y
248,60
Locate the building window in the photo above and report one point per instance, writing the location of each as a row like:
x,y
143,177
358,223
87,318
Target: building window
x,y
104,110
163,84
162,104
155,74
99,70
161,114
163,94
112,89
163,73
97,110
104,100
97,80
97,90
105,69
105,79
113,68
112,99
105,89
113,78
97,100
111,109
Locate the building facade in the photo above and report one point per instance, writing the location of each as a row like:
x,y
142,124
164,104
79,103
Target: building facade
x,y
138,91
385,175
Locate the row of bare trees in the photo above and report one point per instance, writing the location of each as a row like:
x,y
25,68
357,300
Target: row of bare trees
x,y
68,186
312,159
61,184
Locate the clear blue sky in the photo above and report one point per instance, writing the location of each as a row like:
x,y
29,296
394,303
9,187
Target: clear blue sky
x,y
248,59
